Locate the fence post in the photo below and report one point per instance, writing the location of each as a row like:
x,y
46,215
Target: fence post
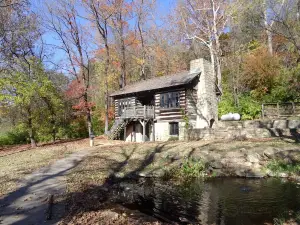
x,y
278,112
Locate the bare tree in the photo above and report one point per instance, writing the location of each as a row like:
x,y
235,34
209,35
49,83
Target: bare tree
x,y
100,14
119,23
65,23
205,21
142,10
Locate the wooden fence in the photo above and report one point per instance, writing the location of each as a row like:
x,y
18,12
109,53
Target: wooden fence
x,y
280,110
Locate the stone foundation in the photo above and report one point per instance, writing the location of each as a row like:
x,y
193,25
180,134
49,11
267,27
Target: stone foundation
x,y
162,132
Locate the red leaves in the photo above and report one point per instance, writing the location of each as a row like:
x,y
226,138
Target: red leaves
x,y
76,92
82,105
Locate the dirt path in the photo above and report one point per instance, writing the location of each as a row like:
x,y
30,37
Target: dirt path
x,y
28,204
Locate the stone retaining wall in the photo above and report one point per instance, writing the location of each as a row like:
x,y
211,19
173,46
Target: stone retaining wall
x,y
250,124
247,129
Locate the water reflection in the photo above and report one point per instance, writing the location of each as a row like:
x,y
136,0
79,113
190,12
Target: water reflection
x,y
216,201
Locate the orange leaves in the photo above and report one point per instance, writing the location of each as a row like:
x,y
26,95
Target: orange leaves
x,y
260,70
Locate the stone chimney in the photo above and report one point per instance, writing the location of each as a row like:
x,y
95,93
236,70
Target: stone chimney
x,y
196,66
207,104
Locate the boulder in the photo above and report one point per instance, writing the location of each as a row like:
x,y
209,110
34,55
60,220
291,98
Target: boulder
x,y
294,124
283,175
253,158
269,153
248,164
255,174
216,165
240,173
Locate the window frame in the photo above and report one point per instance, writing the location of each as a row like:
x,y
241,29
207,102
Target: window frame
x,y
174,129
170,100
122,104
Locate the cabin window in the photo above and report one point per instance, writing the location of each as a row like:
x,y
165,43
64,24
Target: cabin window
x,y
123,103
174,128
169,100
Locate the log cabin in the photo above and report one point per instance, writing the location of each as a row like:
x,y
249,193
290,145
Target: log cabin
x,y
162,108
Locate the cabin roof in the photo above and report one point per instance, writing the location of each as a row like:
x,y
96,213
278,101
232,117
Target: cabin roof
x,y
156,83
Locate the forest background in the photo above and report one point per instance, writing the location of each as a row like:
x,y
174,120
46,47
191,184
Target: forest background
x,y
61,59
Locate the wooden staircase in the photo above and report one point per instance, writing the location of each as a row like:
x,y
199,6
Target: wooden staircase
x,y
118,126
129,114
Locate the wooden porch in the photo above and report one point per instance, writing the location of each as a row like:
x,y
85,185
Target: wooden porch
x,y
138,112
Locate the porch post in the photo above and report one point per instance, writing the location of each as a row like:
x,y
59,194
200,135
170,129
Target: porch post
x,y
125,133
144,130
134,132
153,131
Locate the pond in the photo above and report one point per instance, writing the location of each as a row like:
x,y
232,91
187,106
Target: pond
x,y
214,201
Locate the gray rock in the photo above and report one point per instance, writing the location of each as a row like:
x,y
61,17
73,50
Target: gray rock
x,y
235,154
283,175
269,153
294,124
287,160
216,165
253,158
142,175
256,166
255,174
240,173
248,164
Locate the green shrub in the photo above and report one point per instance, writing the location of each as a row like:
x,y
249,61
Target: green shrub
x,y
226,105
280,166
192,168
14,137
248,108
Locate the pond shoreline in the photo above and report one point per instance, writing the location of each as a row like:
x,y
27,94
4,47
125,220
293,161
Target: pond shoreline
x,y
272,161
106,166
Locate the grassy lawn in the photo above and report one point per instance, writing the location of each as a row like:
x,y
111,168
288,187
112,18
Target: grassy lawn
x,y
16,162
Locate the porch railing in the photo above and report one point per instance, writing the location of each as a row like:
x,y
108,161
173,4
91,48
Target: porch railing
x,y
139,112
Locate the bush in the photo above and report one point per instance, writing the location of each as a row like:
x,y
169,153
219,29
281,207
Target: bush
x,y
14,137
280,166
248,107
192,168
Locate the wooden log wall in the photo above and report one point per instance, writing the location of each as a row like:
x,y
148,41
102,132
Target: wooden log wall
x,y
131,100
170,114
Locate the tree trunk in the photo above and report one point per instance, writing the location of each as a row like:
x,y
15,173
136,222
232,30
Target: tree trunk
x,y
219,73
123,64
31,133
143,75
298,10
270,41
212,59
106,86
268,31
88,116
217,49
